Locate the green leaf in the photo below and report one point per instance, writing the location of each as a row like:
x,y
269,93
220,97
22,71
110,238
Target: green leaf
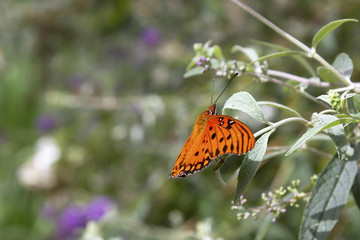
x,y
300,59
215,63
351,108
324,98
327,75
193,62
328,197
280,106
278,54
344,65
193,72
243,101
337,134
198,48
249,52
357,102
356,188
312,131
328,28
271,45
217,52
347,102
264,227
251,164
346,95
207,45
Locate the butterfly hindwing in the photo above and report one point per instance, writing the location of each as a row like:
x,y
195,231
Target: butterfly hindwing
x,y
228,135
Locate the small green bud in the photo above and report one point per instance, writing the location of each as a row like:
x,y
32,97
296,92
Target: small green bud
x,y
314,178
335,101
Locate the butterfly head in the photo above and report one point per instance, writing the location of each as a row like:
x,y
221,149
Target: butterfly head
x,y
211,110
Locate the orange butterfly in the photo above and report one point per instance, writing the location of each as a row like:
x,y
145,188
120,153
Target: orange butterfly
x,y
213,136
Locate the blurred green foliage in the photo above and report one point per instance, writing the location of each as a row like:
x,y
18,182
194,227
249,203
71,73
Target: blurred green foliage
x,y
102,80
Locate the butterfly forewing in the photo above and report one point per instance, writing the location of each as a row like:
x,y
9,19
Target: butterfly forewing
x,y
213,136
194,156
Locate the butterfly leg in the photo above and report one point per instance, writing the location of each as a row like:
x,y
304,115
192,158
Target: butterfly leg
x,y
222,159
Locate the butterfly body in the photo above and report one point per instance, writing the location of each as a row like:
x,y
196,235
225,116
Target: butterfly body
x,y
212,136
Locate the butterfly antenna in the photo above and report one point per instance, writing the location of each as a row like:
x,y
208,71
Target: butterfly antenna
x,y
212,92
225,87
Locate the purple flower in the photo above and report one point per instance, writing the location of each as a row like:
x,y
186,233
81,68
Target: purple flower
x,y
75,217
45,123
151,37
70,221
97,208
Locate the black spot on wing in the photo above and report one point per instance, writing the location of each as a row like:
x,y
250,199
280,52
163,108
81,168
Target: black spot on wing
x,y
237,127
213,136
217,152
225,148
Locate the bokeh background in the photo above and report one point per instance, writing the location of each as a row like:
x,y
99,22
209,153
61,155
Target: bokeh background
x,y
94,110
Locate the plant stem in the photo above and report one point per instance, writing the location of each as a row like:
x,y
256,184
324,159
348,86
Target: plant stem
x,y
297,78
309,51
305,94
279,123
271,25
353,87
321,153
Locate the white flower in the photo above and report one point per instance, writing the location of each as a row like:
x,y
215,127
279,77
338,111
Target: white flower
x,y
39,170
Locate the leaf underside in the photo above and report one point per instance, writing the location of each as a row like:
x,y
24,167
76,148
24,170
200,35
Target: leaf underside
x,y
328,198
